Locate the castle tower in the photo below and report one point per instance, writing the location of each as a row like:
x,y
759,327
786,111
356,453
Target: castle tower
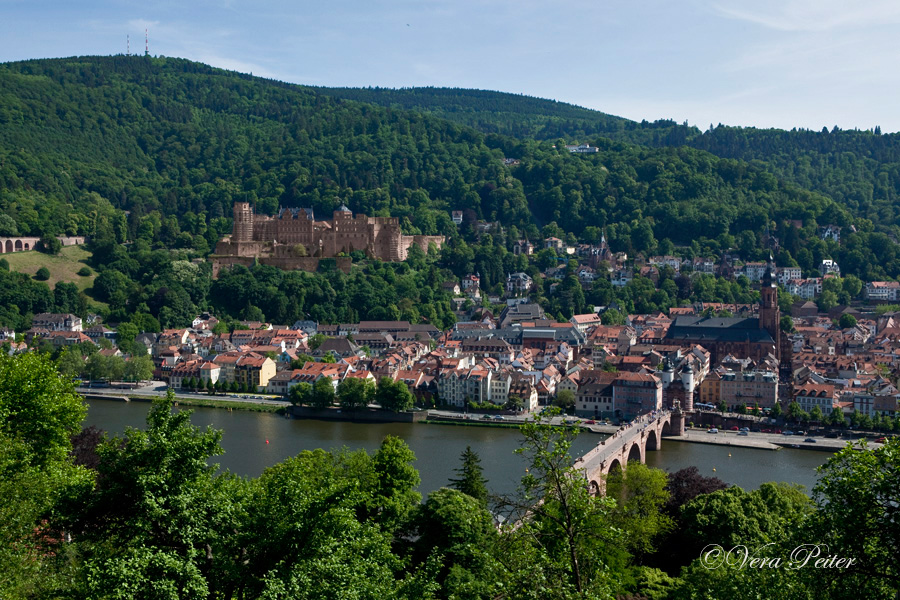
x,y
769,314
243,223
668,373
687,380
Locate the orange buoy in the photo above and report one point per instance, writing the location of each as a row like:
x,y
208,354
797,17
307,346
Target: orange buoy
x,y
267,441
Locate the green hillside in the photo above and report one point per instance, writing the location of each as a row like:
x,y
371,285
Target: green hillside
x,y
187,140
146,156
63,266
516,115
859,169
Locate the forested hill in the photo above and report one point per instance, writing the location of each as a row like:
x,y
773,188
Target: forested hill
x,y
860,169
518,115
82,136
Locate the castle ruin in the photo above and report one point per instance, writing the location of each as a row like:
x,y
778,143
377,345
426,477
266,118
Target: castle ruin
x,y
293,239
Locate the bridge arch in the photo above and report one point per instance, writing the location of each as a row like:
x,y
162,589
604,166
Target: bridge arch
x,y
594,488
635,453
614,466
18,246
653,441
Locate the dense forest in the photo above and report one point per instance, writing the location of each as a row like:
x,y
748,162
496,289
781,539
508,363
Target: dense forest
x,y
147,515
859,169
147,155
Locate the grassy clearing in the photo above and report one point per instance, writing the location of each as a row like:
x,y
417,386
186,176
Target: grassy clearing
x,y
62,267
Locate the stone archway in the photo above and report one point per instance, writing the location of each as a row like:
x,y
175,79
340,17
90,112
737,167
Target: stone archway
x,y
594,488
666,428
18,246
635,454
27,246
614,466
652,440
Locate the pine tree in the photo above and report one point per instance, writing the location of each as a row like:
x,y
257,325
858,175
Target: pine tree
x,y
471,478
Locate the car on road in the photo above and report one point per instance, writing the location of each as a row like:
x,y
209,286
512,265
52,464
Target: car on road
x,y
743,433
756,430
713,430
810,440
787,432
881,440
778,431
745,429
499,418
733,428
590,422
485,416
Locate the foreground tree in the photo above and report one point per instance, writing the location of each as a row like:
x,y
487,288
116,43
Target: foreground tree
x,y
561,537
39,413
858,516
457,530
149,526
640,493
471,479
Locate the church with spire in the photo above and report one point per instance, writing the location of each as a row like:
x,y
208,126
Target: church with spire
x,y
741,337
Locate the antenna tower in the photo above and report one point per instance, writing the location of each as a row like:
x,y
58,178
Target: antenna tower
x,y
146,44
127,45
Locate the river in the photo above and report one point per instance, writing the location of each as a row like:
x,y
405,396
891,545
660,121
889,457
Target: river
x,y
254,441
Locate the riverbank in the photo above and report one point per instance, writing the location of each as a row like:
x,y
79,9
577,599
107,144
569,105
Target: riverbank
x,y
194,402
483,423
715,440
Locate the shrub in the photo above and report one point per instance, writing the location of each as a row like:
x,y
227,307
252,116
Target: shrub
x,y
43,274
84,272
50,245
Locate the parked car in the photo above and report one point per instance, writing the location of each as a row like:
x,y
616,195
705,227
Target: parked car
x,y
590,422
787,432
745,429
810,440
499,418
743,433
713,430
881,440
778,431
485,416
733,428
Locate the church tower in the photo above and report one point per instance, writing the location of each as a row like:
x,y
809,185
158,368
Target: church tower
x,y
769,315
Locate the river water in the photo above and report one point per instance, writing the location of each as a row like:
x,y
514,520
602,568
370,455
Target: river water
x,y
254,441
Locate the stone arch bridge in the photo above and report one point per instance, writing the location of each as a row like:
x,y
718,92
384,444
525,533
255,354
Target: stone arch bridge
x,y
631,442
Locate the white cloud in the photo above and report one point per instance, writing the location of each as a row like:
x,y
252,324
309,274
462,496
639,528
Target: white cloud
x,y
812,15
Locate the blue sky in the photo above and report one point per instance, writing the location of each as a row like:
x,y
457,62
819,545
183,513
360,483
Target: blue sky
x,y
766,63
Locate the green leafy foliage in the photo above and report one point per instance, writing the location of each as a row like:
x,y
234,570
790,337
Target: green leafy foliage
x,y
471,479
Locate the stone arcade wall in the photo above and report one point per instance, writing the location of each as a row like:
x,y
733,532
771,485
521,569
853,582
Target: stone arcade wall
x,y
21,244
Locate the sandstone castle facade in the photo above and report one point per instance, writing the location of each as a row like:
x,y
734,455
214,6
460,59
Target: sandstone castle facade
x,y
294,239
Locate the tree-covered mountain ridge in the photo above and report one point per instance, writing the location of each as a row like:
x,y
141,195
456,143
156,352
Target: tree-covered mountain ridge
x,y
80,136
860,169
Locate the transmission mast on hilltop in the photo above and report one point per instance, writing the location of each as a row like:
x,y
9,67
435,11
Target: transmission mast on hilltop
x,y
127,45
146,44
